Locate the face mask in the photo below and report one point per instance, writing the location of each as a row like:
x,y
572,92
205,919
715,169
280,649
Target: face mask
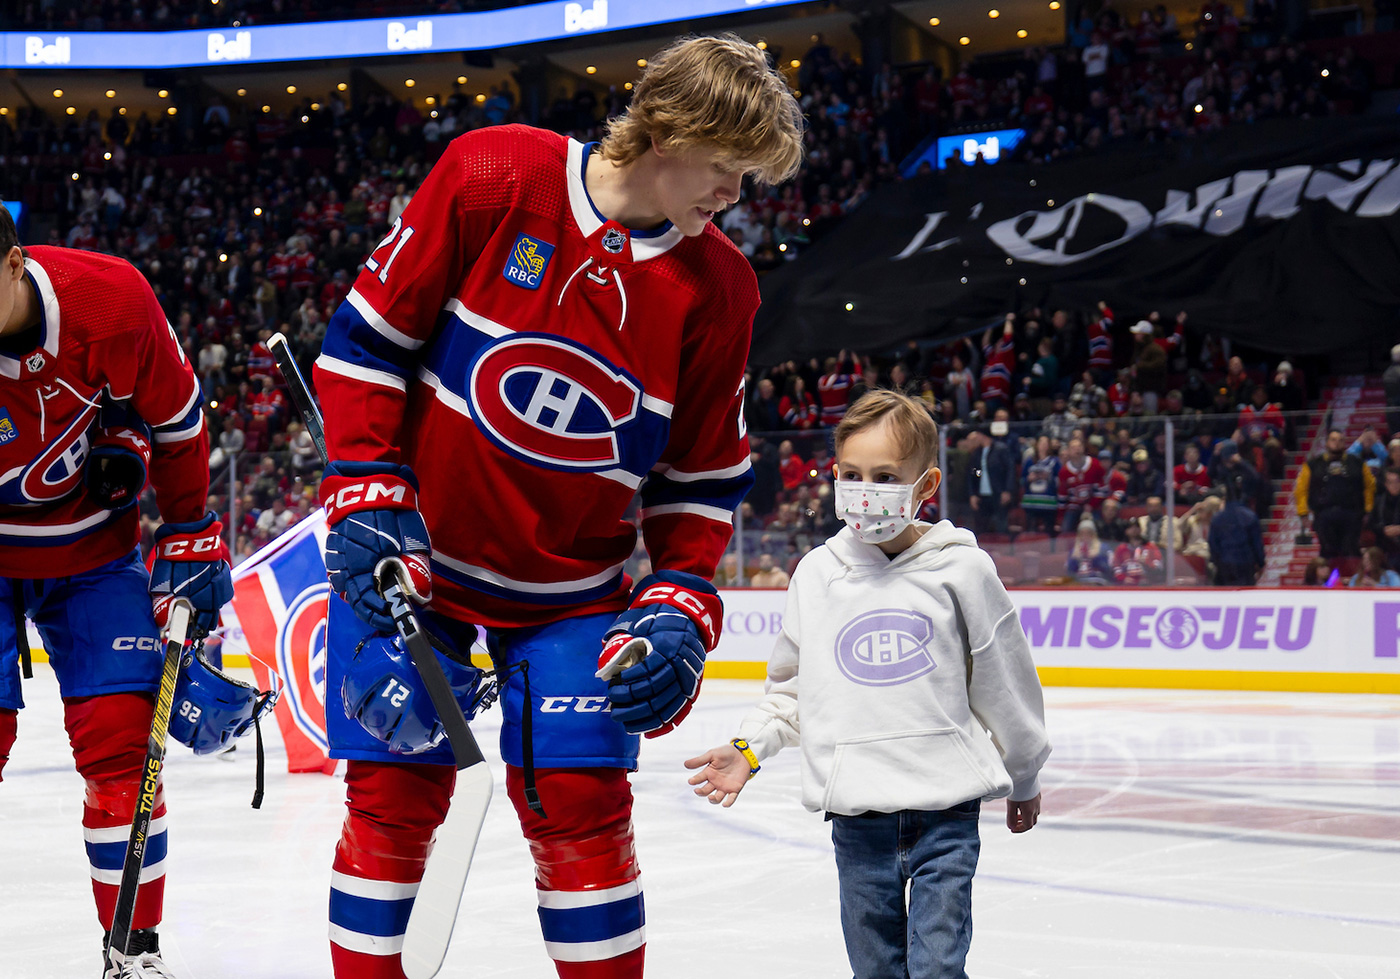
x,y
876,512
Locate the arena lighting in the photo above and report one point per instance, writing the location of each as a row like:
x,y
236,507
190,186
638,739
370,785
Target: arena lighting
x,y
164,93
763,45
628,86
71,110
242,92
342,86
172,110
1054,4
461,80
642,63
1325,73
850,307
592,69
1200,108
934,21
291,90
223,256
111,93
75,176
107,155
994,13
428,101
795,63
315,106
964,40
122,110
481,98
482,30
409,83
267,108
58,93
4,110
1021,33
257,212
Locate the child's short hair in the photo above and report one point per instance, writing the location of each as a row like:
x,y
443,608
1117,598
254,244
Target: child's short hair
x,y
717,91
913,428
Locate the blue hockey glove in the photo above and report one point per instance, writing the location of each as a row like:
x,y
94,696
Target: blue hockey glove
x,y
654,654
372,513
191,562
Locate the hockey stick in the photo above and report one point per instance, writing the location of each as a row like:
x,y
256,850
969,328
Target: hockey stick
x,y
440,892
115,954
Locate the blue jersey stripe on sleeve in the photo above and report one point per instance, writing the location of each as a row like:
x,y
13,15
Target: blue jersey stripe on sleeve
x,y
352,340
725,494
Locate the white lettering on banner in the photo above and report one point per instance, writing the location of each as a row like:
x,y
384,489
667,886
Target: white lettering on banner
x,y
237,48
578,18
36,52
1199,630
990,149
405,38
1061,236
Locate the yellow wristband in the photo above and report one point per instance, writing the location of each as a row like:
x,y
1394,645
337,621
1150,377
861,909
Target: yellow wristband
x,y
748,754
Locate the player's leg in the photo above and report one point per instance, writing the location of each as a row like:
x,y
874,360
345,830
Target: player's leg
x,y
942,859
872,875
11,699
394,804
105,650
590,898
392,812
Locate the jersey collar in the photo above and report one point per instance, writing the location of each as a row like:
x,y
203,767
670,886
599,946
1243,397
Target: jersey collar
x,y
644,244
25,366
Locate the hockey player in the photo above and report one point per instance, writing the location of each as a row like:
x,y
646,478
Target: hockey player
x,y
97,394
547,329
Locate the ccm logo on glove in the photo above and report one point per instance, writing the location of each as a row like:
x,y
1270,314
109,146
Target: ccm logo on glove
x,y
690,603
190,548
370,493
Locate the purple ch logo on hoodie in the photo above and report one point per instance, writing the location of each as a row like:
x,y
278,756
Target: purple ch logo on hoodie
x,y
885,647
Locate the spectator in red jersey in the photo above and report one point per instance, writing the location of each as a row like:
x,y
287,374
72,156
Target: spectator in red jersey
x,y
1121,393
1081,484
791,465
1261,427
999,360
1101,346
834,387
798,408
260,362
1136,561
1190,480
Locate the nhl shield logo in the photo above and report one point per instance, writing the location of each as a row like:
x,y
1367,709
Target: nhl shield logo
x,y
35,362
614,241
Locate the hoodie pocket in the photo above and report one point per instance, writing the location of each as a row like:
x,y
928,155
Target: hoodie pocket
x,y
915,770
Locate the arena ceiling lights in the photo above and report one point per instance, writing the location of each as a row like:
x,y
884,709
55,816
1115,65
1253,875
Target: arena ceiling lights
x,y
479,31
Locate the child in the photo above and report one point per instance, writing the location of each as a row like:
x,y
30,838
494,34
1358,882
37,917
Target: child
x,y
911,654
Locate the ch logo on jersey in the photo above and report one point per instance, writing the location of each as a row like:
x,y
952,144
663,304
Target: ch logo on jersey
x,y
57,471
553,402
301,659
7,427
528,260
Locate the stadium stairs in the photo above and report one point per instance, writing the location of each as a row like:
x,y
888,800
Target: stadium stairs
x,y
1349,402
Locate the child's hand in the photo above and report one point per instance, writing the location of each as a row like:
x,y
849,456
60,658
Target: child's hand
x,y
1020,816
725,773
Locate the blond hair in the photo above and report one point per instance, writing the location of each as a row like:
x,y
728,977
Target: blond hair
x,y
718,92
913,428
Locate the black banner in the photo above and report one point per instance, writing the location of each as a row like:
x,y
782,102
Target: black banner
x,y
1285,236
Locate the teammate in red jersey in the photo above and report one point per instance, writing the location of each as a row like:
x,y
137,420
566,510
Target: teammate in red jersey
x,y
547,330
97,396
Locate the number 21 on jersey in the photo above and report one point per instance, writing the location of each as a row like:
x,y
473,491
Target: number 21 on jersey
x,y
373,264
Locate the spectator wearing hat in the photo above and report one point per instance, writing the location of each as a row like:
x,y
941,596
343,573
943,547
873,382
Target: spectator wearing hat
x,y
990,482
1149,366
1288,394
1391,380
1385,517
1145,479
1240,479
1335,489
1369,448
1236,544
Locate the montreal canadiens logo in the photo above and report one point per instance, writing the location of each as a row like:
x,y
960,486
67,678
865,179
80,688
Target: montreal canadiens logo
x,y
552,402
57,471
301,659
885,647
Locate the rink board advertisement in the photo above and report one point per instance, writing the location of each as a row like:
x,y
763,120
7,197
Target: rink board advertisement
x,y
1246,639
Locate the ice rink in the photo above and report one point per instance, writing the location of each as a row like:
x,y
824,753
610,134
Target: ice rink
x,y
1186,834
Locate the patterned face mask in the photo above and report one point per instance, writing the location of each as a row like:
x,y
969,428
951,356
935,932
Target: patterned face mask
x,y
876,512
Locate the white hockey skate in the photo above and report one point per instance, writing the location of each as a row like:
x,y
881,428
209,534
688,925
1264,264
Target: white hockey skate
x,y
147,965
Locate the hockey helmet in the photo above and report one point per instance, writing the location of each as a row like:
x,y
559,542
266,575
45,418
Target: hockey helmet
x,y
382,690
210,708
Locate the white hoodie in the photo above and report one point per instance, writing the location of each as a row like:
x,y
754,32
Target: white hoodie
x,y
917,688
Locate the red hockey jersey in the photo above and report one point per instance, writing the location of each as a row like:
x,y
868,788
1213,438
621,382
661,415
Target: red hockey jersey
x,y
537,365
102,337
1083,486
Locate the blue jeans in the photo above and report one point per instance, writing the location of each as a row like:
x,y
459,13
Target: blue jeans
x,y
935,854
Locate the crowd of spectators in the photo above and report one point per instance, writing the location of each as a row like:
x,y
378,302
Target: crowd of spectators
x,y
247,222
1056,428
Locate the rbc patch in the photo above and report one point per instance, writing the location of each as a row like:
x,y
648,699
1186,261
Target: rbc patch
x,y
7,428
529,257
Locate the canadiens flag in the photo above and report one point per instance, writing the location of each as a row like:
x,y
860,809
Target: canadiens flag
x,y
279,603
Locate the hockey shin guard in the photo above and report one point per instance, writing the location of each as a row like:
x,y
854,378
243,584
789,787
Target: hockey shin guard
x,y
384,843
591,912
9,722
108,734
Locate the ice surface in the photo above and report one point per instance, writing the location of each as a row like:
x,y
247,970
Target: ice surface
x,y
1186,834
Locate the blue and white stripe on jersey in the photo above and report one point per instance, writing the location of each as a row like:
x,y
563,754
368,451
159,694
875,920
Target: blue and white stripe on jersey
x,y
368,349
106,850
186,424
369,916
591,926
715,494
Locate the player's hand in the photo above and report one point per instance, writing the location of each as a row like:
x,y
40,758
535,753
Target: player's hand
x,y
372,516
190,561
724,773
678,614
1023,815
